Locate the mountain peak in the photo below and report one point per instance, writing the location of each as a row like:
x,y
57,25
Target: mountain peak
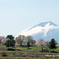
x,y
51,23
43,24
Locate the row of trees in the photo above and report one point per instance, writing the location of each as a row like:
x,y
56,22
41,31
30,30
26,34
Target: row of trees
x,y
19,41
52,44
22,40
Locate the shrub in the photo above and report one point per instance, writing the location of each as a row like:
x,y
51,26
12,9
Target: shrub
x,y
10,49
4,54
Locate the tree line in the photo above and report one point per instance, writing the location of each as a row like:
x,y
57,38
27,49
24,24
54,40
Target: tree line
x,y
29,41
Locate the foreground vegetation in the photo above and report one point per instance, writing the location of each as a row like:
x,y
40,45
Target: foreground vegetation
x,y
25,48
19,51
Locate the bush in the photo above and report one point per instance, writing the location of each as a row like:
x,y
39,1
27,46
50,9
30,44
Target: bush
x,y
4,54
10,49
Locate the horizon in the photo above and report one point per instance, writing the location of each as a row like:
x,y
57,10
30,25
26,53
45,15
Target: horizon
x,y
17,15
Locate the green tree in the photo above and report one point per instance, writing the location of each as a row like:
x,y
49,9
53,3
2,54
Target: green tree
x,y
10,37
10,42
28,44
29,39
52,44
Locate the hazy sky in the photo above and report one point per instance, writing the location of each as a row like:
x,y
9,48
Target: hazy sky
x,y
17,15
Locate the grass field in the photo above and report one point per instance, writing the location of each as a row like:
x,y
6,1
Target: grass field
x,y
24,50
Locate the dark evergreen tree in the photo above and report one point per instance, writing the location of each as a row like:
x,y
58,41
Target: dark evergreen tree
x,y
10,42
28,44
10,37
52,44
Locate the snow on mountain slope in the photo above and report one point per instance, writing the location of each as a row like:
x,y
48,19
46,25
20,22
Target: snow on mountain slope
x,y
43,30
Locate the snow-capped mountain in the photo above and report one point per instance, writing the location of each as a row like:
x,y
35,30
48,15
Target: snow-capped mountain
x,y
45,30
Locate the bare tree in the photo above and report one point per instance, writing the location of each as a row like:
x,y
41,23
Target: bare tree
x,y
19,40
3,39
